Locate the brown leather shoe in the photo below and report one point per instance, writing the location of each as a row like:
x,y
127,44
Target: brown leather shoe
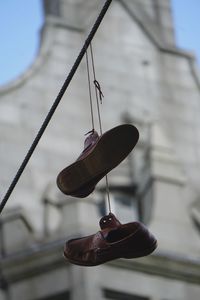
x,y
114,241
100,156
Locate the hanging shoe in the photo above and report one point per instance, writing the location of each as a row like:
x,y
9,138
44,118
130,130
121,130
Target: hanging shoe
x,y
115,240
100,156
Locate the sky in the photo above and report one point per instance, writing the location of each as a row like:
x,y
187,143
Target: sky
x,y
186,14
21,21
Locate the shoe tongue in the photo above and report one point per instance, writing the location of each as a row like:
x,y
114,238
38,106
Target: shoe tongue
x,y
104,233
91,139
109,221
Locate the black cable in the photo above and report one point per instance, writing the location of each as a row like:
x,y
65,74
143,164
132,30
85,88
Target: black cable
x,y
55,104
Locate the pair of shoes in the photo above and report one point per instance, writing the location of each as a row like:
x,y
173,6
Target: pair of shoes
x,y
114,240
100,156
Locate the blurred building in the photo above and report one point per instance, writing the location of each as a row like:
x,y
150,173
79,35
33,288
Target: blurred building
x,y
146,81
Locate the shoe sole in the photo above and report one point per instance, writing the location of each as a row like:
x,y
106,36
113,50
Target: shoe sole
x,y
128,255
104,157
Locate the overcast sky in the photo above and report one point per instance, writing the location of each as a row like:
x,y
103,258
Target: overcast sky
x,y
21,20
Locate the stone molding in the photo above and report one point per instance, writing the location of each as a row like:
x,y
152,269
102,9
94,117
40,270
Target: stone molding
x,y
164,265
38,259
46,257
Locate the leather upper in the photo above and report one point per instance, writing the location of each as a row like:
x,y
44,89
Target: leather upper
x,y
113,241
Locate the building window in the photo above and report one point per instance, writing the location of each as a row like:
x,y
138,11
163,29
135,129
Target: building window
x,y
61,296
124,206
115,295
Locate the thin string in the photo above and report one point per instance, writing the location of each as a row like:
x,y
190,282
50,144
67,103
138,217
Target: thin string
x,y
108,194
99,96
97,89
55,104
89,87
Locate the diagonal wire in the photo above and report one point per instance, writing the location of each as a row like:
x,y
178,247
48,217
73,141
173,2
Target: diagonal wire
x,y
55,104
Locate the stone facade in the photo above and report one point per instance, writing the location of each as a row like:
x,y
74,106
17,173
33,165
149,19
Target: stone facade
x,y
146,81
